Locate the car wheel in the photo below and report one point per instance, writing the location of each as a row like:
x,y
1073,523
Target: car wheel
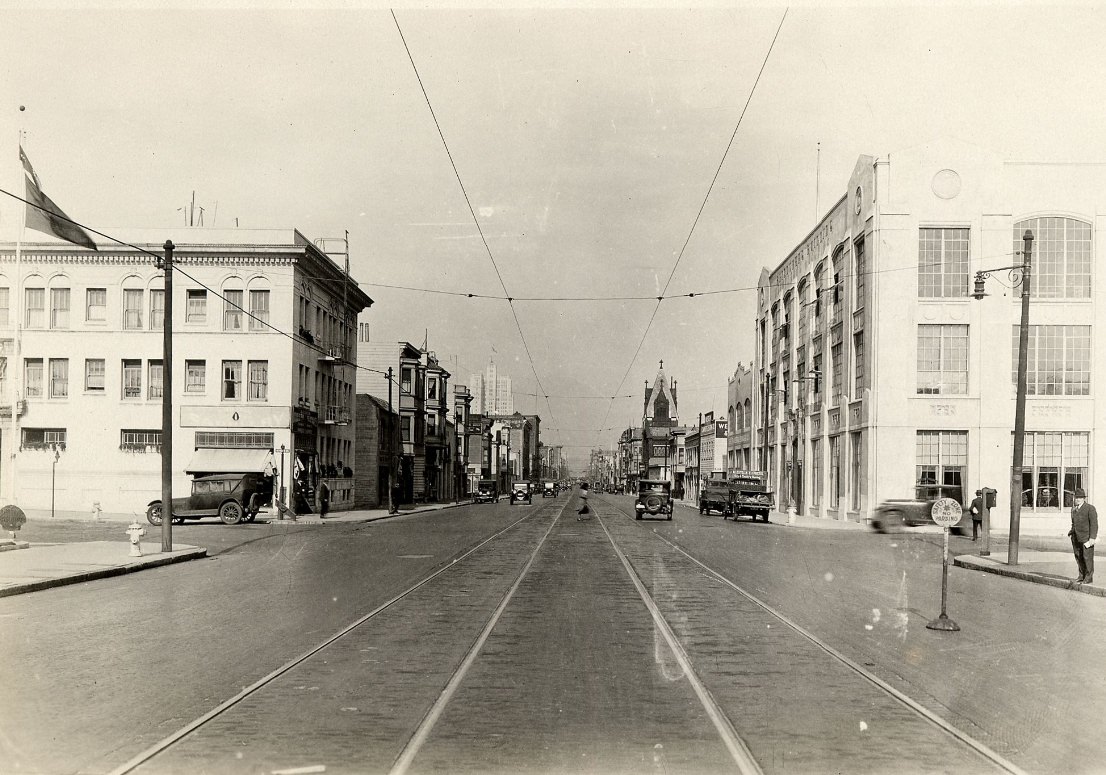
x,y
230,513
639,515
669,517
153,514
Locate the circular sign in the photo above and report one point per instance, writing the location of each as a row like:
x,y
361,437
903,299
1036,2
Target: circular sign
x,y
12,518
946,512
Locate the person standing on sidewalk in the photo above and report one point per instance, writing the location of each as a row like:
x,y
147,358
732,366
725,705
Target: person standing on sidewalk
x,y
1084,533
977,515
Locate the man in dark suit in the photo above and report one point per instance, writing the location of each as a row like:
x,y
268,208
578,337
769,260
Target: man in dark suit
x,y
1084,533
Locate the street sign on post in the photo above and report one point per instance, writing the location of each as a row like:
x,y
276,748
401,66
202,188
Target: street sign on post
x,y
946,512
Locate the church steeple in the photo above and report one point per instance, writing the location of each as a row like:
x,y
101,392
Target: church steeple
x,y
660,401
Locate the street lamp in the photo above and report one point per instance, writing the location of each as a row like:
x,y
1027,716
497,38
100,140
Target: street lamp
x,y
1019,274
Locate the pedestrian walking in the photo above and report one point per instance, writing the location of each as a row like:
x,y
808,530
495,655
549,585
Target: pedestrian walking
x,y
324,499
977,515
584,510
1084,533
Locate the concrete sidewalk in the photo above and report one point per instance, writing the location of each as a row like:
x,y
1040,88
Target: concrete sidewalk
x,y
32,566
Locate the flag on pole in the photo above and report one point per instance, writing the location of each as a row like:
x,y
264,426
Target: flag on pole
x,y
45,216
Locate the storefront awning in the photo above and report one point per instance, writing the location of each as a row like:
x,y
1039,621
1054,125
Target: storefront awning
x,y
229,461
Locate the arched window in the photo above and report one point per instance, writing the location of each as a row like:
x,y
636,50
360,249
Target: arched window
x,y
748,415
738,417
1062,256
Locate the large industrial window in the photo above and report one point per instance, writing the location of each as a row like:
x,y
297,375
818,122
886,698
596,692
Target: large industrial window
x,y
1052,459
837,356
942,263
854,470
1062,257
941,464
942,359
816,473
1059,360
835,472
859,268
858,364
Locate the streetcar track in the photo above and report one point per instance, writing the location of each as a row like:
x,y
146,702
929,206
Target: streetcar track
x,y
946,726
168,742
418,739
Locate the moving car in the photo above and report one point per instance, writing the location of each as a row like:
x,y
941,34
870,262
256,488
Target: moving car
x,y
549,490
522,491
654,497
487,491
749,494
231,497
912,512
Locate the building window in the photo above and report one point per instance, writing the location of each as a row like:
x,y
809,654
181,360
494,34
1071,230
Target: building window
x,y
259,381
858,364
1049,460
96,305
816,474
59,308
132,309
59,378
1062,257
432,389
32,377
140,441
259,310
157,379
835,472
132,379
837,356
942,360
234,440
157,310
405,427
195,376
817,369
406,375
232,310
1058,360
44,438
35,313
3,375
942,263
431,424
860,268
854,471
5,306
94,369
232,380
941,464
196,306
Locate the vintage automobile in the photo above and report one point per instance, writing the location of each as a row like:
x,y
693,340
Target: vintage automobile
x,y
487,491
749,495
549,490
654,497
912,512
231,497
522,491
715,496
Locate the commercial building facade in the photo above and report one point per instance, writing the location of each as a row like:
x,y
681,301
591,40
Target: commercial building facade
x,y
877,372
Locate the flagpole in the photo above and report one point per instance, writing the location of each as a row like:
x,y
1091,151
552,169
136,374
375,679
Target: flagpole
x,y
17,360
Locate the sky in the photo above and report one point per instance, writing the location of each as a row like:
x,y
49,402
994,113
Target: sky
x,y
598,147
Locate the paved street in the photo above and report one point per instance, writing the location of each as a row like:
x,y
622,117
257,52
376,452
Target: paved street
x,y
537,652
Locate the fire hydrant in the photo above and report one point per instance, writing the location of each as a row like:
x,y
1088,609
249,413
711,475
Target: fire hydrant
x,y
136,531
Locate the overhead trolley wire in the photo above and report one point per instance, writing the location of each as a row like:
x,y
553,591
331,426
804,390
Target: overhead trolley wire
x,y
699,214
472,211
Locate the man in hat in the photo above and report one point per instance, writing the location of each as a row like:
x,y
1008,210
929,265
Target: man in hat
x,y
1084,532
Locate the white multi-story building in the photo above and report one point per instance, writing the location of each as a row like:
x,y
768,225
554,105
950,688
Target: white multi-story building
x,y
877,373
262,328
491,393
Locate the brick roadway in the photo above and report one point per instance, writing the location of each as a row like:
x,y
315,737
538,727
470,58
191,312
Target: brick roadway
x,y
573,678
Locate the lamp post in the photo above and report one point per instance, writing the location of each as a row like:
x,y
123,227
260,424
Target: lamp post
x,y
1023,269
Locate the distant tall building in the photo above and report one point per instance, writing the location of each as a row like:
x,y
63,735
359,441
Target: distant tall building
x,y
491,393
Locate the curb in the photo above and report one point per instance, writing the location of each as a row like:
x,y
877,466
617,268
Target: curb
x,y
103,573
989,566
315,519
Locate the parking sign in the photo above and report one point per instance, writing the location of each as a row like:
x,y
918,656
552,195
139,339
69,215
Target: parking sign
x,y
946,512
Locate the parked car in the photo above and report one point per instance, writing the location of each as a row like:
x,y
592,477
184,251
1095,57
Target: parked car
x,y
522,491
715,496
749,495
912,512
487,491
231,497
549,490
653,497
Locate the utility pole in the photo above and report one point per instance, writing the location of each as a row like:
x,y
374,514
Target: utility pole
x,y
1019,406
391,448
167,405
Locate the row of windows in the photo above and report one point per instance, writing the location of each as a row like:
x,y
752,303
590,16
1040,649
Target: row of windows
x,y
141,310
1058,360
1062,259
149,440
50,378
